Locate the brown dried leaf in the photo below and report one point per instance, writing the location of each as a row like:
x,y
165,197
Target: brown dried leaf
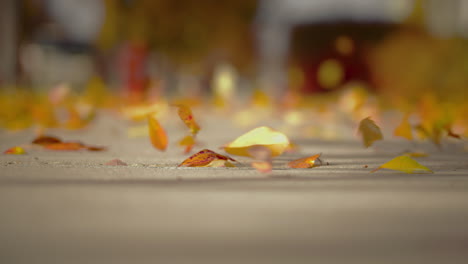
x,y
206,157
46,140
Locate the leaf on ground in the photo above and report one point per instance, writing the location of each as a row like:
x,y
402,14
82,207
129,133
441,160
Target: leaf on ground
x,y
370,132
404,129
405,164
157,134
15,151
65,146
276,141
115,162
309,162
186,115
207,158
188,142
417,154
46,140
54,143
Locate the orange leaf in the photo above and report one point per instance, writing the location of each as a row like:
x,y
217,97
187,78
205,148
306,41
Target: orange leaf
x,y
95,148
370,132
46,140
157,134
65,146
185,114
404,129
15,151
308,162
206,157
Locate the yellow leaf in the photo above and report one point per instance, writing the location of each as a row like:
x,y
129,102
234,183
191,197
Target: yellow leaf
x,y
157,133
405,164
404,129
15,151
188,142
276,141
370,132
309,162
207,158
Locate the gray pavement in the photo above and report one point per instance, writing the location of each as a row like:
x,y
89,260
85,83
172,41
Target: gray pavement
x,y
68,207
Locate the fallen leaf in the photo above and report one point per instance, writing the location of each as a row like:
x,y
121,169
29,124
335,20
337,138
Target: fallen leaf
x,y
309,162
207,158
405,164
65,146
276,141
95,148
188,142
46,140
157,133
115,162
54,143
370,132
15,151
404,129
185,114
416,154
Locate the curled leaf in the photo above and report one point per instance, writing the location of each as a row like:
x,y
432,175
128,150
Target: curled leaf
x,y
157,133
185,114
309,162
207,158
405,164
275,141
46,140
370,132
15,151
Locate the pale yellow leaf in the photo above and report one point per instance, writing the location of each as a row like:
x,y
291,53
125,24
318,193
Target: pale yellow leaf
x,y
275,141
405,164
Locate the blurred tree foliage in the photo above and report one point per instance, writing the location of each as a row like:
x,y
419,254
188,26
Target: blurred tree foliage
x,y
185,30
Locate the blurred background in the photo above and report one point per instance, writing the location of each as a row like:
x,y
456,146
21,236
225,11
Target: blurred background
x,y
392,48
